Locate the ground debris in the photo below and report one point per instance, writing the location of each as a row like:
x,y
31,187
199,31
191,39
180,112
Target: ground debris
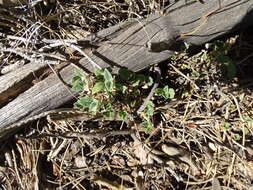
x,y
202,138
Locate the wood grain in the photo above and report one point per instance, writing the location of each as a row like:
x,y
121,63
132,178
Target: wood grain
x,y
14,83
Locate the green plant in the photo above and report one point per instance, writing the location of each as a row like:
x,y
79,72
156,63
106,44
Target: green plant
x,y
227,126
237,137
248,119
147,115
220,54
166,92
116,95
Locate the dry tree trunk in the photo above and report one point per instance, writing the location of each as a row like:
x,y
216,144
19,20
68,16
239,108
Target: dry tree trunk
x,y
135,45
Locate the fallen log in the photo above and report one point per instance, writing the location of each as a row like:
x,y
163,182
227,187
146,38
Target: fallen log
x,y
135,45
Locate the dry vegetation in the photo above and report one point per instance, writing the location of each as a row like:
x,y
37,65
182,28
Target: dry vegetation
x,y
202,138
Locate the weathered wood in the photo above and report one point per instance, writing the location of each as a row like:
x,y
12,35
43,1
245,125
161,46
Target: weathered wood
x,y
14,83
135,45
233,15
130,48
45,95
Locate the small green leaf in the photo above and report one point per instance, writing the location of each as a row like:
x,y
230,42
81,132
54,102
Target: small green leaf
x,y
159,92
227,126
246,131
109,85
232,106
126,75
79,81
78,72
108,107
248,119
165,92
135,82
149,127
123,115
94,106
76,79
85,102
99,73
124,89
136,93
121,88
98,87
168,92
185,93
173,57
195,74
88,103
141,78
78,86
149,110
107,76
149,81
185,66
132,103
78,106
237,137
185,47
205,56
109,114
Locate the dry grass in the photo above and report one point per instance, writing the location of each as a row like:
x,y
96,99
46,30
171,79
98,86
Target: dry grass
x,y
202,138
